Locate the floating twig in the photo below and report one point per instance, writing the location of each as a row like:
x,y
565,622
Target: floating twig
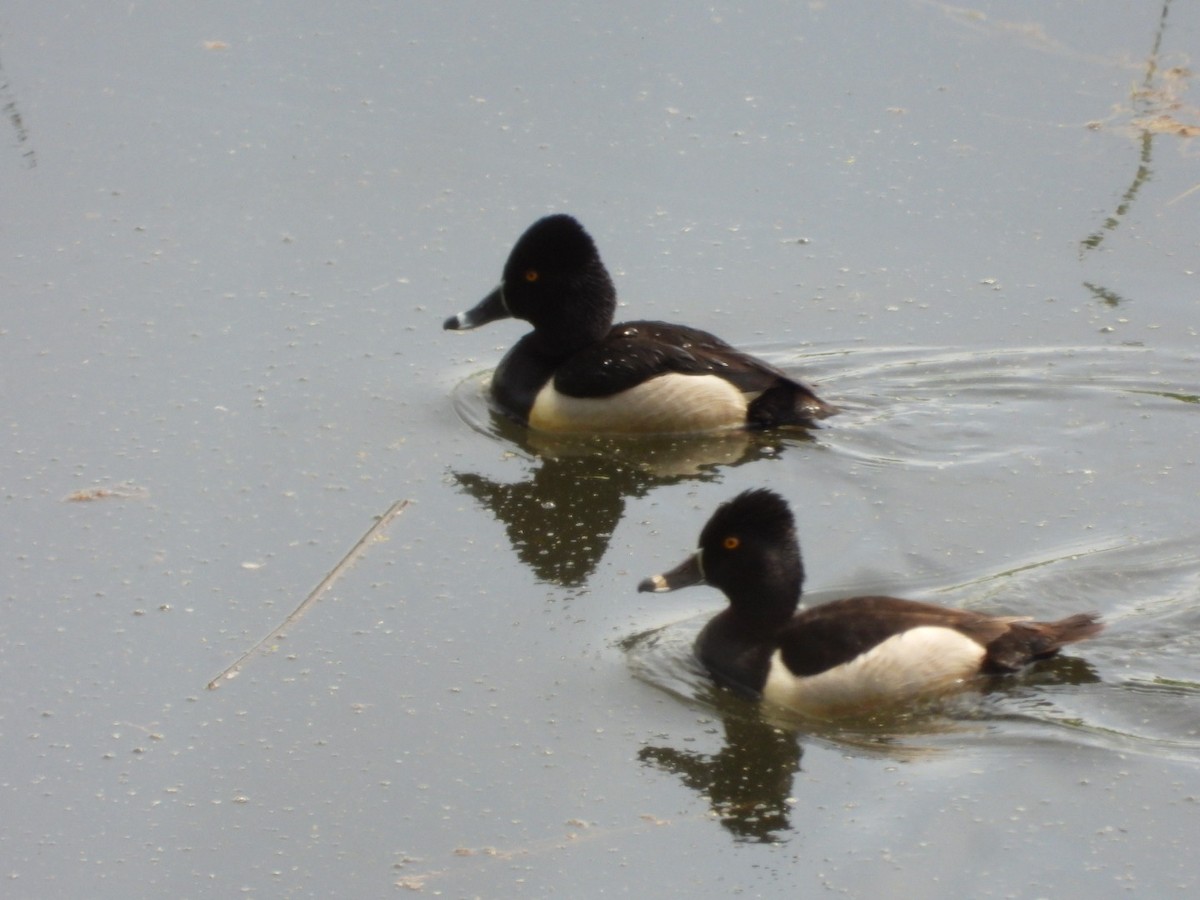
x,y
335,573
123,491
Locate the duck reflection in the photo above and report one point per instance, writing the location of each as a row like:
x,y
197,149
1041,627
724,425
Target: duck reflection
x,y
559,519
748,782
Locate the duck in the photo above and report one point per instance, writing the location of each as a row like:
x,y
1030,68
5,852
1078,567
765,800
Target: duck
x,y
577,372
853,656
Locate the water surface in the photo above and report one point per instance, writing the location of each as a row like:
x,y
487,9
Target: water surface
x,y
234,232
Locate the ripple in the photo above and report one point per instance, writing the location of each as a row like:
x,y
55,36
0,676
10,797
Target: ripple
x,y
929,407
473,405
664,456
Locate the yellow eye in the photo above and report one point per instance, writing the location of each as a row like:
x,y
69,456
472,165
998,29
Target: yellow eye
x,y
531,274
730,543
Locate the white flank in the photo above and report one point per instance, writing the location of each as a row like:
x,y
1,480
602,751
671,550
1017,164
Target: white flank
x,y
920,662
668,404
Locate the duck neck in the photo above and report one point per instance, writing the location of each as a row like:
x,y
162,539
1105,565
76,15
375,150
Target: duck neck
x,y
768,602
562,342
764,608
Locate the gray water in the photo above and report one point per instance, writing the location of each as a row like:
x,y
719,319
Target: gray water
x,y
234,230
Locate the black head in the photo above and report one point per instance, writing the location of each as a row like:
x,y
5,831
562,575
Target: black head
x,y
750,551
554,279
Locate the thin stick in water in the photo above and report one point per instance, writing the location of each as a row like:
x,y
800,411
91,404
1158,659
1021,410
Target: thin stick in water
x,y
335,573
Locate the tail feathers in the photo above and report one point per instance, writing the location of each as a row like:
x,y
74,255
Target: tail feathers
x,y
787,403
1025,642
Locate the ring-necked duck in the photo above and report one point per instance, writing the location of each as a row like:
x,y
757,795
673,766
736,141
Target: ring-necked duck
x,y
845,656
577,372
